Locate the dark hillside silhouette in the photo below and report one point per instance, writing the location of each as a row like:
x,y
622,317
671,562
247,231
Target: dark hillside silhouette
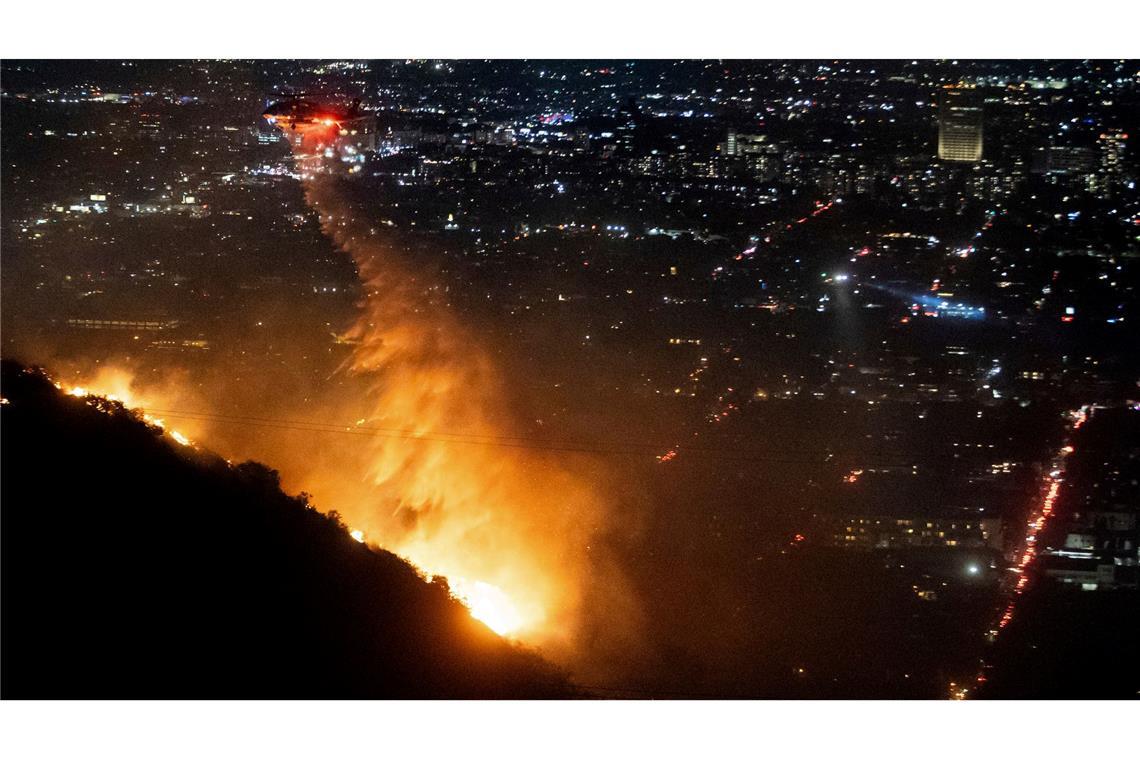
x,y
136,568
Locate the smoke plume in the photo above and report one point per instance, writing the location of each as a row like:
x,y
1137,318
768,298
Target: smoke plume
x,y
447,481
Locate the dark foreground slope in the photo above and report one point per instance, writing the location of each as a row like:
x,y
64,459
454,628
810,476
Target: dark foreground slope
x,y
133,567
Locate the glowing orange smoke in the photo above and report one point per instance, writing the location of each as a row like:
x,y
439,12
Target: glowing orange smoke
x,y
510,528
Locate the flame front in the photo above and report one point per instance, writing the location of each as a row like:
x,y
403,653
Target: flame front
x,y
118,385
488,604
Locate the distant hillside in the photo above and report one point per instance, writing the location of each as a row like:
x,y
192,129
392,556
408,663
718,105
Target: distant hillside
x,y
136,568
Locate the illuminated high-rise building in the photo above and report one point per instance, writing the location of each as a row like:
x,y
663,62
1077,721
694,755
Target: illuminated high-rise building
x,y
739,144
960,124
1112,144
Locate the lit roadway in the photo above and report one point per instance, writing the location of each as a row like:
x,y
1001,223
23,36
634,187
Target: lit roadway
x,y
1027,547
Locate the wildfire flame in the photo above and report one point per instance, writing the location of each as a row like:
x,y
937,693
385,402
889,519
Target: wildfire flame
x,y
488,604
114,385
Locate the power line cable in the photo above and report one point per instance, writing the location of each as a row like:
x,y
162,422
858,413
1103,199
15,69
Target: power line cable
x,y
799,456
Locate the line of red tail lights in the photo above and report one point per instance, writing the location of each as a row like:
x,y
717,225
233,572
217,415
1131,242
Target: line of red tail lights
x,y
750,251
1040,518
1036,524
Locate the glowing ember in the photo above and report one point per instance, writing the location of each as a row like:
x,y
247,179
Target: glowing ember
x,y
113,385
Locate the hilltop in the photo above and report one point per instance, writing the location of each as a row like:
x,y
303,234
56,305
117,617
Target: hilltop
x,y
133,567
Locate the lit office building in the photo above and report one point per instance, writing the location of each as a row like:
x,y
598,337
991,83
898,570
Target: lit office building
x,y
1112,145
886,532
960,125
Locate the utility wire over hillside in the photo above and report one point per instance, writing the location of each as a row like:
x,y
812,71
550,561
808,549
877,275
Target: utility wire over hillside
x,y
623,447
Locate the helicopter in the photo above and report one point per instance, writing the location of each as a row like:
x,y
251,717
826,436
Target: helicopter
x,y
295,112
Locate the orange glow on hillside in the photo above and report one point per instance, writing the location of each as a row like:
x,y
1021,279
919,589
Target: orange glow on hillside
x,y
488,604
